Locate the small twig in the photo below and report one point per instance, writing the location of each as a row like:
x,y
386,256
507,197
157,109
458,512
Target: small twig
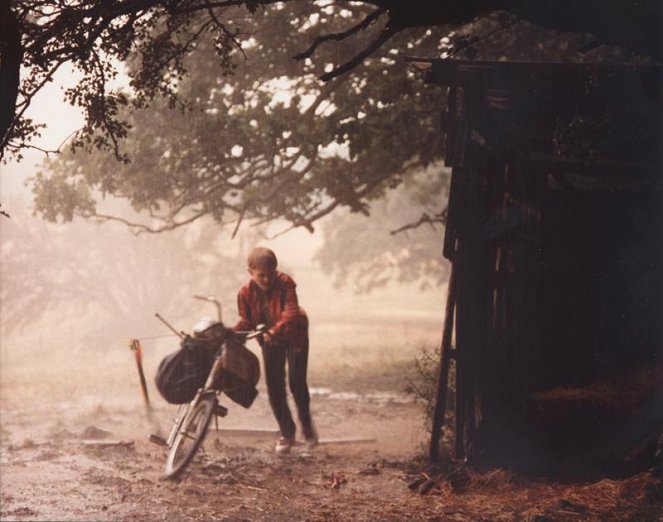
x,y
425,218
225,31
239,222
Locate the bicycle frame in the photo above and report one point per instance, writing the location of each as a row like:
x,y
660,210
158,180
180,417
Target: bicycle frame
x,y
184,411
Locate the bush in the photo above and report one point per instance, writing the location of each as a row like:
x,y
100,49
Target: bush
x,y
424,383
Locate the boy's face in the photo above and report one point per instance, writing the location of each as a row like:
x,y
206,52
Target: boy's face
x,y
263,277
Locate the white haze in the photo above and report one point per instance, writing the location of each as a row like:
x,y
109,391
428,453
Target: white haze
x,y
372,330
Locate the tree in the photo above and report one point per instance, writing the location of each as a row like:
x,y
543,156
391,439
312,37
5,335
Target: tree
x,y
111,282
243,151
258,148
372,253
42,35
249,152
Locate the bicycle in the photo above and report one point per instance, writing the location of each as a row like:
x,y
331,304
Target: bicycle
x,y
193,418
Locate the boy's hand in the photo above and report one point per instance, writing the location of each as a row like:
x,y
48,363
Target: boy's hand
x,y
240,336
267,336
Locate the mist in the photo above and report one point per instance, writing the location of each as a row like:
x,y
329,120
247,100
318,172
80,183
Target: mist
x,y
76,293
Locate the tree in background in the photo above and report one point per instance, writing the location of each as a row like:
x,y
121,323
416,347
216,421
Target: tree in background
x,y
259,145
111,284
370,253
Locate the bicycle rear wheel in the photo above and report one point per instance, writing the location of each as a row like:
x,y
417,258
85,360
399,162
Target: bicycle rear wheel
x,y
190,436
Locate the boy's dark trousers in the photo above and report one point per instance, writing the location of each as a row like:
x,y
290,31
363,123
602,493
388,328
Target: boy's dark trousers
x,y
275,358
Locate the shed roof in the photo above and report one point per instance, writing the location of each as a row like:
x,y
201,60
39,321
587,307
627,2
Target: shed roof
x,y
602,117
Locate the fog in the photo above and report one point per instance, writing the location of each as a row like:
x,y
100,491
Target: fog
x,y
74,294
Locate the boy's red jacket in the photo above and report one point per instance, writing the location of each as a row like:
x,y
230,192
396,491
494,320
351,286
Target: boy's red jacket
x,y
277,308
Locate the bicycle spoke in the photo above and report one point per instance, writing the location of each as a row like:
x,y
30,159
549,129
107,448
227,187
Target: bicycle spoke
x,y
190,437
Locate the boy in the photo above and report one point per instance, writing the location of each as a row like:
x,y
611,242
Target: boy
x,y
270,298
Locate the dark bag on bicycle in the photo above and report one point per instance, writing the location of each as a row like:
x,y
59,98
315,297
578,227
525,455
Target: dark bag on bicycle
x,y
239,374
181,373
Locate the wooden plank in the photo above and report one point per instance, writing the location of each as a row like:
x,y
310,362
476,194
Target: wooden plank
x,y
266,432
443,378
348,440
249,432
450,125
107,443
451,229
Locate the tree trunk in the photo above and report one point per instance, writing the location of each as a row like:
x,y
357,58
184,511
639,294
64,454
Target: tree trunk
x,y
11,54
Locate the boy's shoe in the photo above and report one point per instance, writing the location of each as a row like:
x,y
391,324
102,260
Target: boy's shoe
x,y
283,445
311,437
311,443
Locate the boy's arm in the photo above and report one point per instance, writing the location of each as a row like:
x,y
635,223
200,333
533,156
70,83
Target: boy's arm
x,y
244,311
290,312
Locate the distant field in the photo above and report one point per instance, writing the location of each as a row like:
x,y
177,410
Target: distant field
x,y
358,343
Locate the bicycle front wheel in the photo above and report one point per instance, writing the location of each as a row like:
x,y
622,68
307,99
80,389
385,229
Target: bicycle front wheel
x,y
190,436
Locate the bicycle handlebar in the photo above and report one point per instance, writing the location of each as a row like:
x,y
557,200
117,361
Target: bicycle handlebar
x,y
252,334
212,299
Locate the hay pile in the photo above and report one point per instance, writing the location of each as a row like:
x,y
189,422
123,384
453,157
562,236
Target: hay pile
x,y
500,495
604,420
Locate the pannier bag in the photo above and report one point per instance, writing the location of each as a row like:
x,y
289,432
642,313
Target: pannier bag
x,y
181,373
239,375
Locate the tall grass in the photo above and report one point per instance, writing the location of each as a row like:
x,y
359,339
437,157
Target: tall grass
x,y
52,363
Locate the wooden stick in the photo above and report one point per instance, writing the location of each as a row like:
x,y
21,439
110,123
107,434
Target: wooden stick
x,y
249,432
443,379
138,355
350,440
107,443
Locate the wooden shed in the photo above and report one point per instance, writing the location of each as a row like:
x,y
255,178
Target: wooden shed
x,y
555,236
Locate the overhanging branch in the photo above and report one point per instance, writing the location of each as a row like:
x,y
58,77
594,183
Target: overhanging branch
x,y
137,228
440,218
337,37
360,56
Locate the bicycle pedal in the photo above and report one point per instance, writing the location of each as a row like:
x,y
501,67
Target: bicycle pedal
x,y
220,411
158,440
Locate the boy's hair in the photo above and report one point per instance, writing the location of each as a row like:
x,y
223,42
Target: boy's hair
x,y
262,258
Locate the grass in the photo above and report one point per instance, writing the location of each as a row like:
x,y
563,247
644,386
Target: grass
x,y
359,355
377,354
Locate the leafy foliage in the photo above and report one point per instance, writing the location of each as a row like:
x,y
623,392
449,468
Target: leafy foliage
x,y
94,37
238,148
258,147
42,35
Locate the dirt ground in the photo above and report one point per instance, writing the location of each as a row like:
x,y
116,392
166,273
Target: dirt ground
x,y
49,471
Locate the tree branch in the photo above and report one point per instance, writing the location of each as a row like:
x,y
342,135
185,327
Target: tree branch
x,y
425,218
367,21
221,26
385,35
137,228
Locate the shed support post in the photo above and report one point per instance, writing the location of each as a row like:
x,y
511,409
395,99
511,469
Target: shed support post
x,y
443,379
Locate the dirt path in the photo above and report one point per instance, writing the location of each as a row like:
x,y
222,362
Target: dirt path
x,y
48,473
